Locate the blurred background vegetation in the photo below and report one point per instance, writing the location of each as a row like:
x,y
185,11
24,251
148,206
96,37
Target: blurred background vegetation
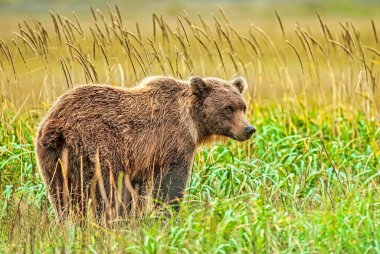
x,y
237,9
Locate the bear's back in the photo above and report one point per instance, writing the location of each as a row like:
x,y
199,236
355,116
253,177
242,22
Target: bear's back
x,y
92,99
98,115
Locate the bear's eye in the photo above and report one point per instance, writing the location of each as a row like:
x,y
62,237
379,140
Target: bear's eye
x,y
229,109
245,109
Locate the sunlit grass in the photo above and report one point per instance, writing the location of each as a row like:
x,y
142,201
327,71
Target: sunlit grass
x,y
278,192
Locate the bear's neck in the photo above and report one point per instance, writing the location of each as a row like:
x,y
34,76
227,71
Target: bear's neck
x,y
203,131
204,134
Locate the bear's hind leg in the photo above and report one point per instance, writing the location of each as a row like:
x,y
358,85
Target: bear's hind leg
x,y
51,172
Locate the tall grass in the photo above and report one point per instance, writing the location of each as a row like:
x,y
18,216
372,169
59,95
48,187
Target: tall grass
x,y
307,182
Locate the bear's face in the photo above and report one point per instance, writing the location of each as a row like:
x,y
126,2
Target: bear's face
x,y
222,107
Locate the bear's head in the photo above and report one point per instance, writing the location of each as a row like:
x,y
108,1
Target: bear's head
x,y
220,107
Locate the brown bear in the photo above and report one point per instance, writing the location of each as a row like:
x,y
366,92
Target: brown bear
x,y
148,134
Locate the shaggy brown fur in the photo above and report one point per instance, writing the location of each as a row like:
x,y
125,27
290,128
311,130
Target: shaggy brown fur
x,y
149,133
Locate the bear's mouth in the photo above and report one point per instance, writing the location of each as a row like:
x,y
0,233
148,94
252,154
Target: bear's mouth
x,y
241,137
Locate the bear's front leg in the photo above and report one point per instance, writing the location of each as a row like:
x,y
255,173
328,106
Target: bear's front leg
x,y
170,187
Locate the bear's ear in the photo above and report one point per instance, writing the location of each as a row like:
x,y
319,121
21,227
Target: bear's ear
x,y
198,85
240,83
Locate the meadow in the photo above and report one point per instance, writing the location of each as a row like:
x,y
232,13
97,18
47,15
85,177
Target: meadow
x,y
307,182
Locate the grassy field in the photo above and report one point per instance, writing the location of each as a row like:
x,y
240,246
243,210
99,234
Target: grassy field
x,y
309,180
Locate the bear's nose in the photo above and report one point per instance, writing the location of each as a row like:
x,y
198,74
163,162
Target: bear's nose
x,y
249,130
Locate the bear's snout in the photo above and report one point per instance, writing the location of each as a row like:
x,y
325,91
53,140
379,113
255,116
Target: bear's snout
x,y
249,130
241,129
